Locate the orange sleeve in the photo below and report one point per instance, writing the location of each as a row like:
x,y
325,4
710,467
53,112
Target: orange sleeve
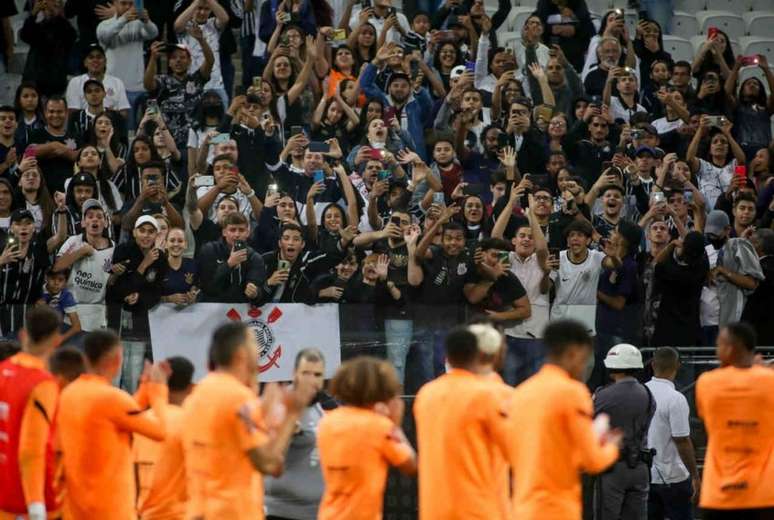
x,y
33,437
250,426
127,414
393,448
594,455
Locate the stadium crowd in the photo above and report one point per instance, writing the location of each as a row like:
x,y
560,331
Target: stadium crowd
x,y
400,159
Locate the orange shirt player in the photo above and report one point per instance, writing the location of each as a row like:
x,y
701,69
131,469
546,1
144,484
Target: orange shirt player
x,y
359,441
95,426
160,466
226,440
552,436
461,439
28,394
736,403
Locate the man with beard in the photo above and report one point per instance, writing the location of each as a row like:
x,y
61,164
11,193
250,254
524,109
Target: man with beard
x,y
609,53
410,109
526,140
297,493
478,165
587,144
612,206
657,236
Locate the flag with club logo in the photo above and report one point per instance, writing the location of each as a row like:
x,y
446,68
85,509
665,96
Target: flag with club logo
x,y
281,331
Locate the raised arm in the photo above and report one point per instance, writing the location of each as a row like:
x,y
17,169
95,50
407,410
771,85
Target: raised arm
x,y
693,147
149,79
306,72
187,15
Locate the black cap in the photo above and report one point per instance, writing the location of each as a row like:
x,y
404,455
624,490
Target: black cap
x,y
84,179
93,47
21,214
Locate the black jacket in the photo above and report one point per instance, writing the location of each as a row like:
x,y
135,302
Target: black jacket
x,y
305,269
147,285
220,283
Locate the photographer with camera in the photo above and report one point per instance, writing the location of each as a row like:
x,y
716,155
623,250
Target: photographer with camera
x,y
622,491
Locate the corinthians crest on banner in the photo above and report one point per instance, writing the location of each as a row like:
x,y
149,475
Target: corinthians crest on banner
x,y
281,330
269,351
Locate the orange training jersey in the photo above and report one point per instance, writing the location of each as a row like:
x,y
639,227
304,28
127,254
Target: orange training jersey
x,y
461,427
165,493
219,427
356,446
552,442
96,421
737,406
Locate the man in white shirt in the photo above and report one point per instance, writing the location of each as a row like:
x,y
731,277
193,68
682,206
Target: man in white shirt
x,y
674,477
198,13
122,36
115,92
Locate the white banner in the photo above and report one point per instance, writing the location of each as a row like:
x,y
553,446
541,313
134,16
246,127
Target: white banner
x,y
282,330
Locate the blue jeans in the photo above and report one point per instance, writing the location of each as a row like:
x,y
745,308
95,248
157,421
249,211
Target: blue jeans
x,y
660,11
136,98
397,335
523,358
132,365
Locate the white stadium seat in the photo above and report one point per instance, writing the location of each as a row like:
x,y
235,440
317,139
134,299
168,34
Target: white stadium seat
x,y
755,45
759,23
733,6
690,6
684,25
599,6
753,72
759,5
730,23
506,39
526,3
679,48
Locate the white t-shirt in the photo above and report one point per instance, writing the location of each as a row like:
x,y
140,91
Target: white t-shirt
x,y
670,420
242,201
378,23
714,181
710,304
212,35
576,289
195,138
663,125
530,274
88,282
115,93
619,111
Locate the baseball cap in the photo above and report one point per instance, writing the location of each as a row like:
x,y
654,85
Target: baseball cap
x,y
91,204
457,71
623,357
21,214
93,47
717,221
172,47
647,127
83,179
146,219
645,149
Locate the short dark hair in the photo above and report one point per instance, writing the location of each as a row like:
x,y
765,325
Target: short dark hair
x,y
182,373
665,359
55,99
8,348
581,226
67,362
152,165
744,197
7,108
291,226
461,347
222,157
98,343
682,63
452,226
743,334
41,323
612,186
311,354
560,335
364,381
493,243
226,340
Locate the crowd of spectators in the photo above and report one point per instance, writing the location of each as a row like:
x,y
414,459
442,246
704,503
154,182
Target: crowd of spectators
x,y
397,158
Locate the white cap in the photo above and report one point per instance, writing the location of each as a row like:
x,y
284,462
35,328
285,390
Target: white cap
x,y
457,71
488,338
146,219
623,357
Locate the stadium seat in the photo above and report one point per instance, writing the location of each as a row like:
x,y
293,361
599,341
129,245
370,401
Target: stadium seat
x,y
517,17
730,23
690,6
620,4
679,48
526,3
684,25
506,38
755,45
733,6
599,6
759,23
759,5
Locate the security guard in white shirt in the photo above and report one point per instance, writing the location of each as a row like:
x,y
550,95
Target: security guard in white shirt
x,y
622,492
